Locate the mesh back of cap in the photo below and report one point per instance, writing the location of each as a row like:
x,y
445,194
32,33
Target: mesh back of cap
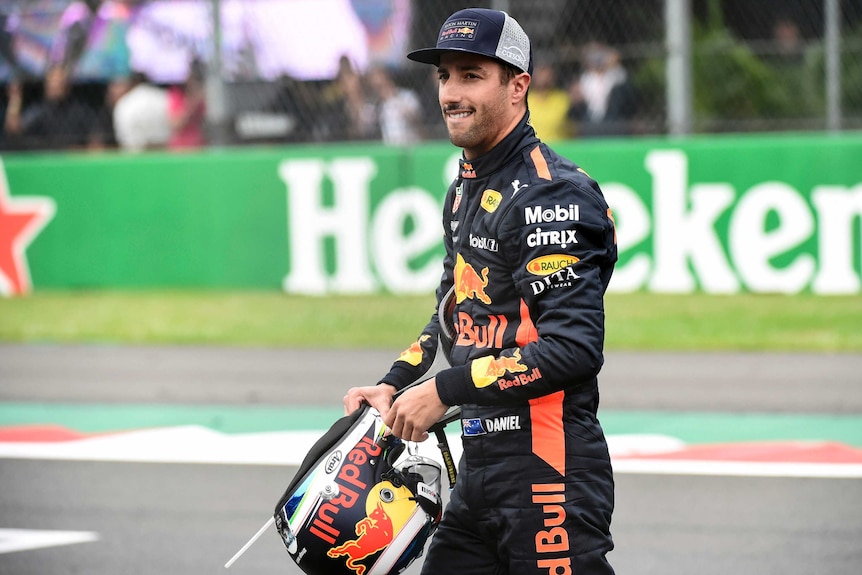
x,y
514,45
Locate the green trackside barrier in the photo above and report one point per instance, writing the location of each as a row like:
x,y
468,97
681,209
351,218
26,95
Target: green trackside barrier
x,y
712,214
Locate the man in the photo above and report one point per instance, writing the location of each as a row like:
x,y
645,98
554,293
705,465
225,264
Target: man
x,y
549,105
530,247
398,109
58,122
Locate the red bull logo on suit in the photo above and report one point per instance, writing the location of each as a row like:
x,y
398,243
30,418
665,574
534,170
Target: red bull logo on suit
x,y
468,283
486,370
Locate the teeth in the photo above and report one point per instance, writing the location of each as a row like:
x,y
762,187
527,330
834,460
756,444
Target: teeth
x,y
460,115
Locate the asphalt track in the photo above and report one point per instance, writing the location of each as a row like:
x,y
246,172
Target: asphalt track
x,y
186,519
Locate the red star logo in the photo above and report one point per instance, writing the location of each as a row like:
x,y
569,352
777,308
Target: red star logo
x,y
21,220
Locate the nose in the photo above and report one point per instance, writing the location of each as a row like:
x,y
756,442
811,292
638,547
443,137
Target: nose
x,y
449,93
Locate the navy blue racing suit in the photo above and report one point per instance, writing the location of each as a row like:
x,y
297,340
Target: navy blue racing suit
x,y
530,248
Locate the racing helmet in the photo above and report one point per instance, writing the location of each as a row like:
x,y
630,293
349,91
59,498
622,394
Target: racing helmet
x,y
359,505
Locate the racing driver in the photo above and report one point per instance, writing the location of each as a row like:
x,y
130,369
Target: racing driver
x,y
530,248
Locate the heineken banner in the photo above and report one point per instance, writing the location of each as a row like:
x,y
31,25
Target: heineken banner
x,y
718,215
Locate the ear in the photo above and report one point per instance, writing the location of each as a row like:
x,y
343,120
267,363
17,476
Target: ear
x,y
519,85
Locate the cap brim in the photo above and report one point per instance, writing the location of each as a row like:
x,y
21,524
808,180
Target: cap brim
x,y
432,55
429,55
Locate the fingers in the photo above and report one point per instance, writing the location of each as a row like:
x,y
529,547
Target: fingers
x,y
377,396
352,401
404,426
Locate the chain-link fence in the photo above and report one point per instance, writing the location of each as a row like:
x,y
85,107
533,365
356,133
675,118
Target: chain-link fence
x,y
323,70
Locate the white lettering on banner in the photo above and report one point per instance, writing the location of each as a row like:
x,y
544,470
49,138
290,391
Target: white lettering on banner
x,y
770,220
346,221
752,246
393,250
632,226
770,237
681,236
839,212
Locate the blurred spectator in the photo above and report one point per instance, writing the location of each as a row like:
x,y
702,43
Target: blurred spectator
x,y
141,116
428,88
350,113
103,135
788,42
58,121
297,102
187,110
602,100
549,105
398,109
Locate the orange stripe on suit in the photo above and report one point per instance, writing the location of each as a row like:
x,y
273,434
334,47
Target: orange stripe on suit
x,y
541,165
549,439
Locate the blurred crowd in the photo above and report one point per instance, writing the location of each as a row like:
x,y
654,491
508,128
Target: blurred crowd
x,y
380,104
587,92
134,114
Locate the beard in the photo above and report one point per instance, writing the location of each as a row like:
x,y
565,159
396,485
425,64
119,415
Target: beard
x,y
483,131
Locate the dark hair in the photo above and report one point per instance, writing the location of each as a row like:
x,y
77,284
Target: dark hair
x,y
509,72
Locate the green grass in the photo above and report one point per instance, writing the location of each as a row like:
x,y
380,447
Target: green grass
x,y
634,321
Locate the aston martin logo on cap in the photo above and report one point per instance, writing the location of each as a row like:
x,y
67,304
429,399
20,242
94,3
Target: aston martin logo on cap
x,y
458,30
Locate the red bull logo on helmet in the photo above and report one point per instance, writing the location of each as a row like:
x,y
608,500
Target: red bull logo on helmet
x,y
468,283
350,482
388,508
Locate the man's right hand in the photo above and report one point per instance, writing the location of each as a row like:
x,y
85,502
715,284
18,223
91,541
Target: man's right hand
x,y
377,396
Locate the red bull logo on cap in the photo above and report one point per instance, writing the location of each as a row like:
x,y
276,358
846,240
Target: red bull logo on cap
x,y
458,30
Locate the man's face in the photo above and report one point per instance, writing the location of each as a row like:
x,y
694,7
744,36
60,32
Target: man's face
x,y
477,104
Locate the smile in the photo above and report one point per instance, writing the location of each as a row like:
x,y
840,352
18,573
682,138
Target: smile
x,y
458,115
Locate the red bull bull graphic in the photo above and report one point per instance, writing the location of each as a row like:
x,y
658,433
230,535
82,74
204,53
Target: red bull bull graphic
x,y
388,509
486,370
413,354
468,283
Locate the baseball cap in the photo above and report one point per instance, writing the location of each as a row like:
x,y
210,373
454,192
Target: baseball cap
x,y
491,33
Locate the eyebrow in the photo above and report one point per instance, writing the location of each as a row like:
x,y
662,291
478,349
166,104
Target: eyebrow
x,y
462,68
